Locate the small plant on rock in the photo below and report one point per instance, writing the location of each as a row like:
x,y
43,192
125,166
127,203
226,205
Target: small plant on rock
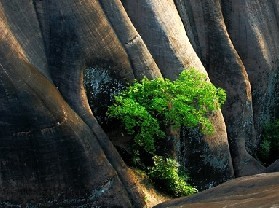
x,y
153,110
167,177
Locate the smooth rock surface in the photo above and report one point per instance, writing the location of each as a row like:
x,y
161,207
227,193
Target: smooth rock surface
x,y
206,25
256,191
52,149
274,167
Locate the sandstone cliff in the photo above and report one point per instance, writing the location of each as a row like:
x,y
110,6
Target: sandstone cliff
x,y
52,148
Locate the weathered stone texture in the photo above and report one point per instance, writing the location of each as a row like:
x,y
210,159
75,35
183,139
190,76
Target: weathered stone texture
x,y
247,192
230,51
49,151
254,31
161,28
140,58
51,145
14,16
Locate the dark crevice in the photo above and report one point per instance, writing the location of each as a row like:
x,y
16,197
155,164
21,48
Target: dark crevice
x,y
39,20
101,84
186,14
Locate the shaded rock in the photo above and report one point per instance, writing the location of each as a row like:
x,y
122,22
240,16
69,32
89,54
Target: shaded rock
x,y
168,42
52,147
206,156
50,150
252,191
140,58
274,167
244,163
254,31
160,26
207,31
58,157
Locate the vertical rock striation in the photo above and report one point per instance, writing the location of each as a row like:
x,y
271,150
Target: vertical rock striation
x,y
161,28
253,28
50,153
52,149
140,58
207,29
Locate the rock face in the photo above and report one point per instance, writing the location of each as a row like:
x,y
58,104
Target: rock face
x,y
167,41
52,149
274,167
248,192
207,24
53,152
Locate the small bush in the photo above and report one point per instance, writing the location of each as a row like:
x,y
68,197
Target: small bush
x,y
165,174
149,108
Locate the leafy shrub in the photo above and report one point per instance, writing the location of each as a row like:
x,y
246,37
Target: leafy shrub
x,y
269,146
165,173
148,107
138,122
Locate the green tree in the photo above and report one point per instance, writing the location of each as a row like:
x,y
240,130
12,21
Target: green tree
x,y
149,107
153,110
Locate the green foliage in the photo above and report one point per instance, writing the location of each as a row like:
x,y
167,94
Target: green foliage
x,y
270,143
147,107
137,121
165,173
